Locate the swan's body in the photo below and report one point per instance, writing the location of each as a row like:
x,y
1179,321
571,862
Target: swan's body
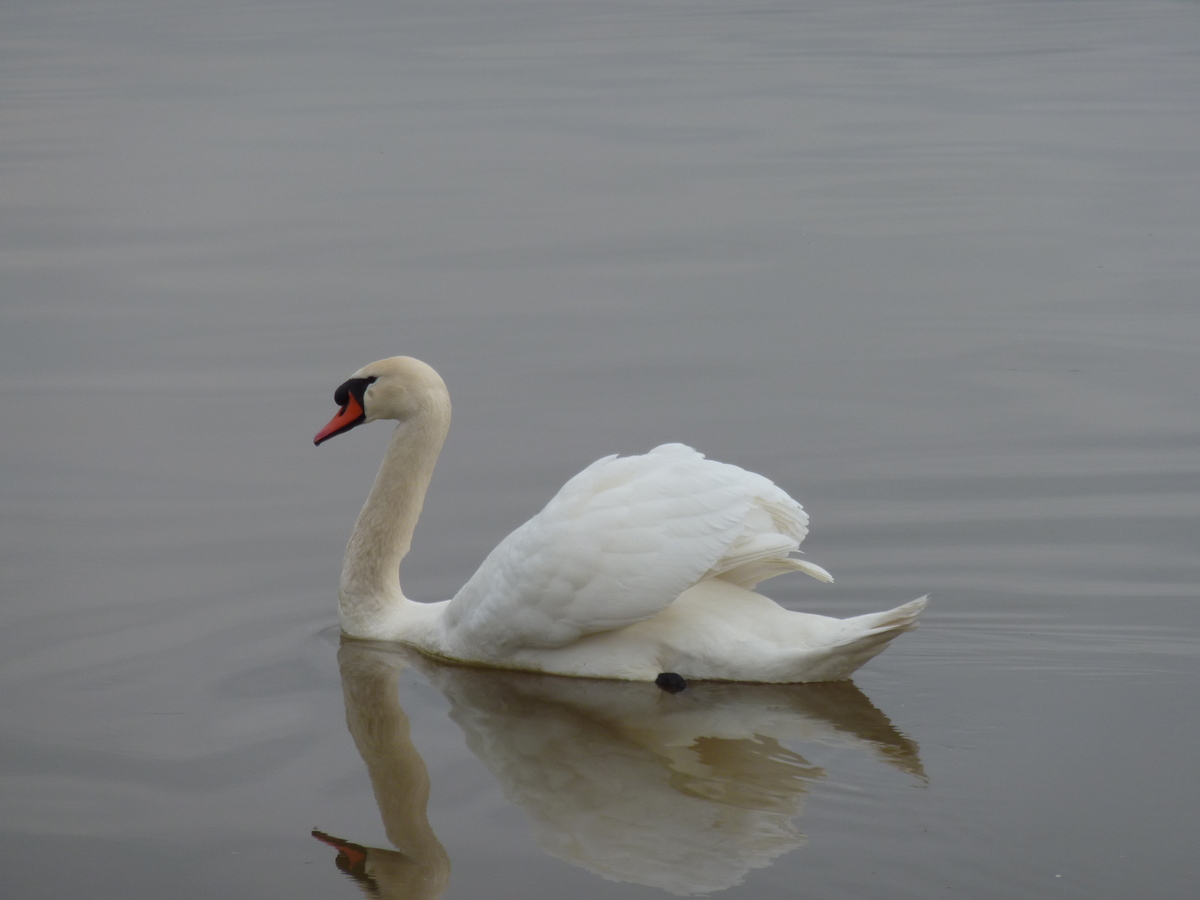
x,y
640,565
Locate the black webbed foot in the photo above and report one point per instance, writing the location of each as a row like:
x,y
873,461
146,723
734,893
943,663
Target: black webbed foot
x,y
671,682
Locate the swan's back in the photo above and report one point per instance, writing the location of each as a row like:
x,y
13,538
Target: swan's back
x,y
619,543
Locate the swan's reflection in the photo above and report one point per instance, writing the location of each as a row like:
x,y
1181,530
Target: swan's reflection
x,y
683,792
419,867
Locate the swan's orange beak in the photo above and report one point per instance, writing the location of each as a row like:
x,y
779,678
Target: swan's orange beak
x,y
350,415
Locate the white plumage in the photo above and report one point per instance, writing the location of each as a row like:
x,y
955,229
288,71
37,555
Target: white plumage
x,y
639,565
620,542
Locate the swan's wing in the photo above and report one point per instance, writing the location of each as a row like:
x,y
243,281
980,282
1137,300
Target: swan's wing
x,y
620,542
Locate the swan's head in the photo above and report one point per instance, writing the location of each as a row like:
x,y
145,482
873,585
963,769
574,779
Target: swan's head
x,y
397,388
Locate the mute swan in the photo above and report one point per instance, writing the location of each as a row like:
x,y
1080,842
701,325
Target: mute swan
x,y
640,566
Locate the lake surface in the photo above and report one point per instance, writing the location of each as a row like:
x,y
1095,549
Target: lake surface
x,y
932,267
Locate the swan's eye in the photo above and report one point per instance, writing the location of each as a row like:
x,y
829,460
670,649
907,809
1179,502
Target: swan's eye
x,y
356,387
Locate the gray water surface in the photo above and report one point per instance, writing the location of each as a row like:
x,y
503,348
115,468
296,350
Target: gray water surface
x,y
930,266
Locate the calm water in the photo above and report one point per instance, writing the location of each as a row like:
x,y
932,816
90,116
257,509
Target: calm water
x,y
930,266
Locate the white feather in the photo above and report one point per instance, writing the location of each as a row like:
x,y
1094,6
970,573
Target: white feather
x,y
618,544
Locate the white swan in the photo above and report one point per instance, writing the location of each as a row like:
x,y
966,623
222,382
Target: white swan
x,y
639,566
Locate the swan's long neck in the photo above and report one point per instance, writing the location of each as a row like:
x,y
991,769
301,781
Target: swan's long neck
x,y
370,593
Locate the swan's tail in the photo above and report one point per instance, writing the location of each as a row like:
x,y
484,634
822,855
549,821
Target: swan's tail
x,y
892,622
863,637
